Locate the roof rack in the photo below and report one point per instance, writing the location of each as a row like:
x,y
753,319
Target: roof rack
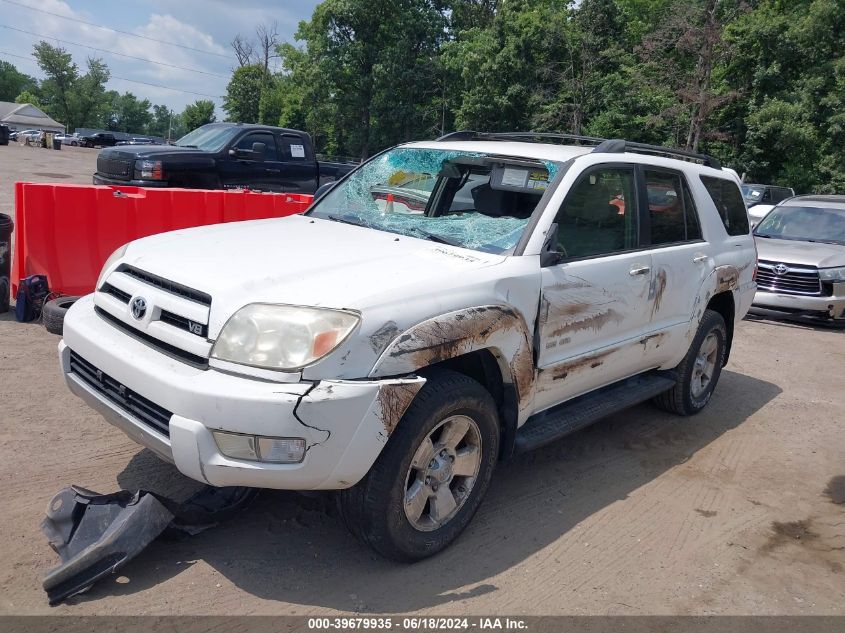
x,y
619,146
602,145
531,137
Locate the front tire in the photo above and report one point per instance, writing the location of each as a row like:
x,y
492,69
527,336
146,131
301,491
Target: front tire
x,y
431,477
699,372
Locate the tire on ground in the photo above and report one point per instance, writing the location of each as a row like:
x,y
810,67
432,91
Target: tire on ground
x,y
680,398
53,313
373,509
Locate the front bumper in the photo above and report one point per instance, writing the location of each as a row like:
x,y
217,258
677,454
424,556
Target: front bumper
x,y
99,179
830,309
342,421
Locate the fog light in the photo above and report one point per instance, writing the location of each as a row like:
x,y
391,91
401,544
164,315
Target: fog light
x,y
281,450
237,446
256,448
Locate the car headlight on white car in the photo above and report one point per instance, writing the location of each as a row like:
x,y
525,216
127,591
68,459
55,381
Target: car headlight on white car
x,y
120,252
835,275
282,337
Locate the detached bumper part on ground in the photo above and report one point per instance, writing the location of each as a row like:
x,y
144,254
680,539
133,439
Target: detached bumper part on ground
x,y
96,534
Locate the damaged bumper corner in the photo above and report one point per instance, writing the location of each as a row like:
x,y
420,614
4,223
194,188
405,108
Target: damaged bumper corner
x,y
344,423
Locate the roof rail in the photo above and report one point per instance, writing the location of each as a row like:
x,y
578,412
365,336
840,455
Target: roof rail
x,y
619,146
531,137
602,145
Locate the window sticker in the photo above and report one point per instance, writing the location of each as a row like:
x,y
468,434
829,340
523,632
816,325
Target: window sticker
x,y
297,151
538,179
514,177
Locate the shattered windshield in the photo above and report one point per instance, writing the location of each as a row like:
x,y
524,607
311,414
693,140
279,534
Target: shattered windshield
x,y
466,199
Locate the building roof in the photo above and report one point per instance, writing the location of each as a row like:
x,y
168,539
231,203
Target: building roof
x,y
21,116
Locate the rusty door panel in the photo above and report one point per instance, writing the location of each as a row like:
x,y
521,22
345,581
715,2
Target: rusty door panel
x,y
591,317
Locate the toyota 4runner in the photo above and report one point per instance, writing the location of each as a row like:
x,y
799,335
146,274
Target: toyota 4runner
x,y
446,305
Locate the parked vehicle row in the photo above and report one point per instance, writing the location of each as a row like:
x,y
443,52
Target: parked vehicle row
x,y
472,298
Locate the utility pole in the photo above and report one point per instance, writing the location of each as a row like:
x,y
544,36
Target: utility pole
x,y
169,126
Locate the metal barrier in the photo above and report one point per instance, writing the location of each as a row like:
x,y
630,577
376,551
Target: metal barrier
x,y
67,231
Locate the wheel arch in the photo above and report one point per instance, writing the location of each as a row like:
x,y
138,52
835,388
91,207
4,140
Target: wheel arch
x,y
491,344
724,304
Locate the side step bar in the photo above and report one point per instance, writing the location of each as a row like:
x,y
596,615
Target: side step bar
x,y
557,422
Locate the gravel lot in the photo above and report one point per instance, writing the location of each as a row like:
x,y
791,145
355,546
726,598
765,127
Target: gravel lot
x,y
736,511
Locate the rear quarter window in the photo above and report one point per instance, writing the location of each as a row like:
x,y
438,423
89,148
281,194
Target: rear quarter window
x,y
728,200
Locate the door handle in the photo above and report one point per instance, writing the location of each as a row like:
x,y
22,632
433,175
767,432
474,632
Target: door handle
x,y
699,258
642,270
273,171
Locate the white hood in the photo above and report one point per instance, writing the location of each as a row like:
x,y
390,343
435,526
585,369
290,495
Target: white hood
x,y
301,261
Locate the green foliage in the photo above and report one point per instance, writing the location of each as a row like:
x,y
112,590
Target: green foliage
x,y
129,114
243,94
197,114
13,83
71,98
28,97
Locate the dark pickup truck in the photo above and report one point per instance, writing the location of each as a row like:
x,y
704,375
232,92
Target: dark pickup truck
x,y
100,139
223,156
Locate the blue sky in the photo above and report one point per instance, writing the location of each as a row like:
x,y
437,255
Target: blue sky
x,y
206,25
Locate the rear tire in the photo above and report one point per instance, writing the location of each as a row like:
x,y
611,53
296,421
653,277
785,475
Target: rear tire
x,y
430,479
53,313
699,372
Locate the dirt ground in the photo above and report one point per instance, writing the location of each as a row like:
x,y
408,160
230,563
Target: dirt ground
x,y
736,511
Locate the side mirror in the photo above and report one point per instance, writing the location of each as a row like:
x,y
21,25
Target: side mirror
x,y
258,150
323,189
550,256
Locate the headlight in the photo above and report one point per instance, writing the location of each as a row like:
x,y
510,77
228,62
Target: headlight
x,y
120,252
148,170
282,337
832,274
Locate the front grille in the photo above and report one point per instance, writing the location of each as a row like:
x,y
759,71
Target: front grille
x,y
114,167
197,329
165,348
165,284
798,280
146,411
177,321
117,293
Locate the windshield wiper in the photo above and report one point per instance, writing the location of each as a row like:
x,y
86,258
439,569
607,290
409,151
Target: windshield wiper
x,y
436,238
191,146
334,218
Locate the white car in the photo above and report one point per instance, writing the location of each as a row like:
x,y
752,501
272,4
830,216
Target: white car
x,y
396,356
68,139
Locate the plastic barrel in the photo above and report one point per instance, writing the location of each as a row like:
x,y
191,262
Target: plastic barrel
x,y
57,143
6,227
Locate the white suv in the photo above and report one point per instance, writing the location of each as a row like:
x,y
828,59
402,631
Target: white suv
x,y
447,304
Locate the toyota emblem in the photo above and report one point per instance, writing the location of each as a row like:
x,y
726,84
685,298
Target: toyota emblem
x,y
781,269
139,307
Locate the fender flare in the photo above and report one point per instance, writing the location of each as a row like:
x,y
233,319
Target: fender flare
x,y
498,328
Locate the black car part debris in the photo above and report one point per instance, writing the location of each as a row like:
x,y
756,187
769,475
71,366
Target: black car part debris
x,y
95,534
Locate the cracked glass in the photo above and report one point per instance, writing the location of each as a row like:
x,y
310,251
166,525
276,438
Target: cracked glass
x,y
467,199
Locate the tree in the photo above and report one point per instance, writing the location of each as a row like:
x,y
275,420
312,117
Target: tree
x,y
243,93
129,114
89,105
70,98
56,89
28,97
13,83
198,113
